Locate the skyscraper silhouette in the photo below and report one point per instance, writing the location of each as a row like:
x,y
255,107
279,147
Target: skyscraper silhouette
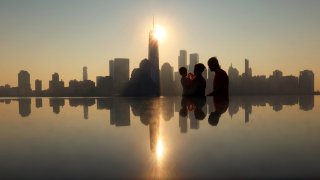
x,y
182,59
233,73
111,68
85,73
306,82
121,74
153,56
167,79
194,59
247,69
24,85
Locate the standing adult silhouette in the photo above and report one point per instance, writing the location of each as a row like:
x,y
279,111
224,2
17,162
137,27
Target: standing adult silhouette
x,y
221,79
198,83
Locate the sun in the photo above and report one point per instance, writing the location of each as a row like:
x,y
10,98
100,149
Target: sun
x,y
159,33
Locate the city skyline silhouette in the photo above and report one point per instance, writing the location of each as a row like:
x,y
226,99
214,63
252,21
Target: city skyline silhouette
x,y
119,83
159,89
40,36
151,80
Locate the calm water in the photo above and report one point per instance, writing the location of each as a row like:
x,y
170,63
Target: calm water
x,y
98,138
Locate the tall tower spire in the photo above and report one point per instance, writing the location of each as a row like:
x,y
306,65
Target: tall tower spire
x,y
153,56
153,23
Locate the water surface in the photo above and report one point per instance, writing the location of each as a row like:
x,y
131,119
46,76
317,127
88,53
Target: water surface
x,y
168,137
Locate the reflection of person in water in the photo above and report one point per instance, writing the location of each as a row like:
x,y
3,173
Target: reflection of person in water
x,y
221,79
194,104
221,105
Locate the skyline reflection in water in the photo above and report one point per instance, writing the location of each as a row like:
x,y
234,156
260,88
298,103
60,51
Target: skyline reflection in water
x,y
160,137
194,108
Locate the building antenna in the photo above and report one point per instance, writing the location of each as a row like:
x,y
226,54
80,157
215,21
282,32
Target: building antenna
x,y
153,22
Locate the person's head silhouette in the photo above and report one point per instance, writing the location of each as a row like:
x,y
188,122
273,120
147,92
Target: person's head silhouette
x,y
213,64
198,69
183,71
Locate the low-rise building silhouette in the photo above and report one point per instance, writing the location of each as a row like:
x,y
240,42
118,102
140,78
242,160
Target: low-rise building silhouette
x,y
104,86
56,87
81,88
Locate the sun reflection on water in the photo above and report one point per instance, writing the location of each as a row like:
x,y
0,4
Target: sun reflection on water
x,y
160,149
160,167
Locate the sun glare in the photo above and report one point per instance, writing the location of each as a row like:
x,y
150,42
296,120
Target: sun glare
x,y
159,33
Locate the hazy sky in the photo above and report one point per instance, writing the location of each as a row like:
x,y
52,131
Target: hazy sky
x,y
47,36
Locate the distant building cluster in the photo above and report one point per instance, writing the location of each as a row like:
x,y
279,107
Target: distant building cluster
x,y
276,84
165,81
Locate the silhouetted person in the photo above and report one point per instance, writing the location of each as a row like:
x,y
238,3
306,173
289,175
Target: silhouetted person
x,y
221,79
185,81
198,83
221,104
